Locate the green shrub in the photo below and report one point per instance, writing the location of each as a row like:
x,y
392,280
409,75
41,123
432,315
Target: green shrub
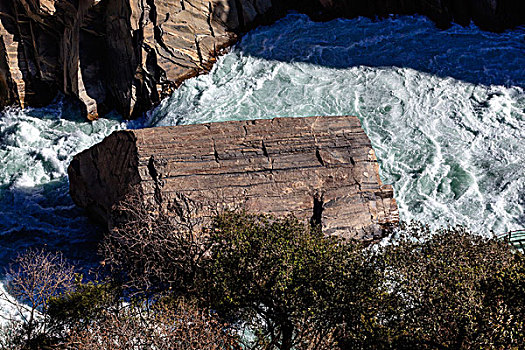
x,y
286,279
283,281
84,304
451,289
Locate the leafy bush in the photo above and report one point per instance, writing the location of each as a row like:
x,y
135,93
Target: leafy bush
x,y
84,304
286,280
451,289
71,314
280,279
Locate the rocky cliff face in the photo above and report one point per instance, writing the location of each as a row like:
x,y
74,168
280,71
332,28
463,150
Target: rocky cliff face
x,y
321,169
128,54
123,54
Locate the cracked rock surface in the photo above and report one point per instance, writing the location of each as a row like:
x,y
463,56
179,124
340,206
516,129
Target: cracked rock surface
x,y
321,169
112,54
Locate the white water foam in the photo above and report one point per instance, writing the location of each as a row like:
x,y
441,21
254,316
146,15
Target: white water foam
x,y
36,146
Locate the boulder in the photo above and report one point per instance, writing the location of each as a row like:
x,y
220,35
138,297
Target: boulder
x,y
321,169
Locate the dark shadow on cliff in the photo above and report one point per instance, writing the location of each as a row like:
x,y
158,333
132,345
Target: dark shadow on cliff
x,y
463,53
36,91
45,217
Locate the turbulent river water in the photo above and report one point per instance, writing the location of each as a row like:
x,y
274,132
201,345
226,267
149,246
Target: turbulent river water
x,y
445,111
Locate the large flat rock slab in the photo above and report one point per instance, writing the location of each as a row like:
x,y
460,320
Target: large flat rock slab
x,y
321,169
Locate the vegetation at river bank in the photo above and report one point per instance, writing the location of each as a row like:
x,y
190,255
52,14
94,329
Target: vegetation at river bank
x,y
260,282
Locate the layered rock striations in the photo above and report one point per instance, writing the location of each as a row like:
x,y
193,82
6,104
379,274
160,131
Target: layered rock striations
x,y
128,54
111,54
322,169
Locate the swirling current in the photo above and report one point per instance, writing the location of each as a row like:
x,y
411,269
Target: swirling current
x,y
444,109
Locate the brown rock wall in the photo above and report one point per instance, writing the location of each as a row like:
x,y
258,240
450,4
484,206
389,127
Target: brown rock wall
x,y
320,168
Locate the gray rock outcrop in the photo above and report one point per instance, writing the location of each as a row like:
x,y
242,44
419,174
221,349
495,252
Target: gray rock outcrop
x,y
322,169
128,54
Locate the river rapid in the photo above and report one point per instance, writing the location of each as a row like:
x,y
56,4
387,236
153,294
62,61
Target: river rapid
x,y
445,111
